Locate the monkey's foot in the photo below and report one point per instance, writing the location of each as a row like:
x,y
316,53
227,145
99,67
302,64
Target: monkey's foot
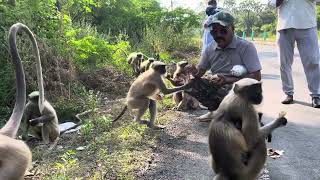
x,y
54,144
158,127
206,117
177,108
144,122
269,138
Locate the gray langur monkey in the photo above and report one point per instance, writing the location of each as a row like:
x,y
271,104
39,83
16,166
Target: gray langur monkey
x,y
239,153
42,125
40,117
135,59
15,155
180,77
144,90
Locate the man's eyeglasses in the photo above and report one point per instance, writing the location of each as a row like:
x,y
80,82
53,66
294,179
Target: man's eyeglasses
x,y
223,30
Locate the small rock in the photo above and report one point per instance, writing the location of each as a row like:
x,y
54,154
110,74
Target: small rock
x,y
81,148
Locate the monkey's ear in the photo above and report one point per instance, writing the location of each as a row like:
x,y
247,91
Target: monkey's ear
x,y
236,89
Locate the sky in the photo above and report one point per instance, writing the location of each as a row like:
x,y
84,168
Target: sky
x,y
193,4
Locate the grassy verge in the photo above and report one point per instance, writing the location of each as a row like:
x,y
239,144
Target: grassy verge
x,y
101,150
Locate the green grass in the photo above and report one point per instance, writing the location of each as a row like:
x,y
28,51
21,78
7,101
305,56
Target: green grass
x,y
111,150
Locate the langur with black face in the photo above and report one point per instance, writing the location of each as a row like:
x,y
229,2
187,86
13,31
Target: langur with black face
x,y
15,155
236,140
144,92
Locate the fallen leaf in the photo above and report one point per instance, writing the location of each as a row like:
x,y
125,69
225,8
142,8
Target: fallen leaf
x,y
275,154
81,148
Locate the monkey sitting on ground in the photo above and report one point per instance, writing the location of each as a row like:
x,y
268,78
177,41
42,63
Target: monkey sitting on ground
x,y
144,88
180,77
40,116
135,59
15,155
43,125
240,153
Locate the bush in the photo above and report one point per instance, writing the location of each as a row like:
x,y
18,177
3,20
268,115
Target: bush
x,y
162,39
79,101
92,50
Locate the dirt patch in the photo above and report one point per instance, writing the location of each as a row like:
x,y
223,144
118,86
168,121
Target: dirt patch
x,y
108,81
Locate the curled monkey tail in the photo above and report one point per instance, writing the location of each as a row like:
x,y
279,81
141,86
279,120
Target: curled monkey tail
x,y
121,114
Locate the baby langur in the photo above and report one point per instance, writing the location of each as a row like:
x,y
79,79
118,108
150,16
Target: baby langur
x,y
15,155
43,125
180,77
240,153
135,59
143,90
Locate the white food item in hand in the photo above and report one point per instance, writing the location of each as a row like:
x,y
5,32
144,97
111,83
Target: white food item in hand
x,y
238,71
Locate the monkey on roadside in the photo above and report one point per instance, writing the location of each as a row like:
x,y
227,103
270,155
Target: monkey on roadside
x,y
240,153
135,59
43,125
180,77
144,89
39,116
15,155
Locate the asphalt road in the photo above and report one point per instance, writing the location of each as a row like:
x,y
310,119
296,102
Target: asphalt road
x,y
182,151
300,139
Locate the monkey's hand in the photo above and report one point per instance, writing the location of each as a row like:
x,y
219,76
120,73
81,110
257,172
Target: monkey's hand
x,y
189,85
34,122
159,97
168,76
282,121
25,137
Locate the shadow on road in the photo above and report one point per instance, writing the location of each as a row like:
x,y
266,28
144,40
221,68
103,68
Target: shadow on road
x,y
302,103
271,76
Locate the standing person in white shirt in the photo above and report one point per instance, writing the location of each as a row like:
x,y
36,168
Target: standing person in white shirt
x,y
207,37
297,22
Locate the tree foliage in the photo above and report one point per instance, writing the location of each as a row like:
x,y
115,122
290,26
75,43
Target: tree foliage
x,y
89,34
252,15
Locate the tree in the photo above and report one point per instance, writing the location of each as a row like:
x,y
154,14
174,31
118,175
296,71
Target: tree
x,y
248,12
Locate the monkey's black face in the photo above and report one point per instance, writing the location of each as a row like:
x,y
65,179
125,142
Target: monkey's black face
x,y
140,56
34,99
254,93
160,69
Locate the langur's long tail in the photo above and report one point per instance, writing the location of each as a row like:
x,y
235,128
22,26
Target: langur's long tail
x,y
11,127
121,114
